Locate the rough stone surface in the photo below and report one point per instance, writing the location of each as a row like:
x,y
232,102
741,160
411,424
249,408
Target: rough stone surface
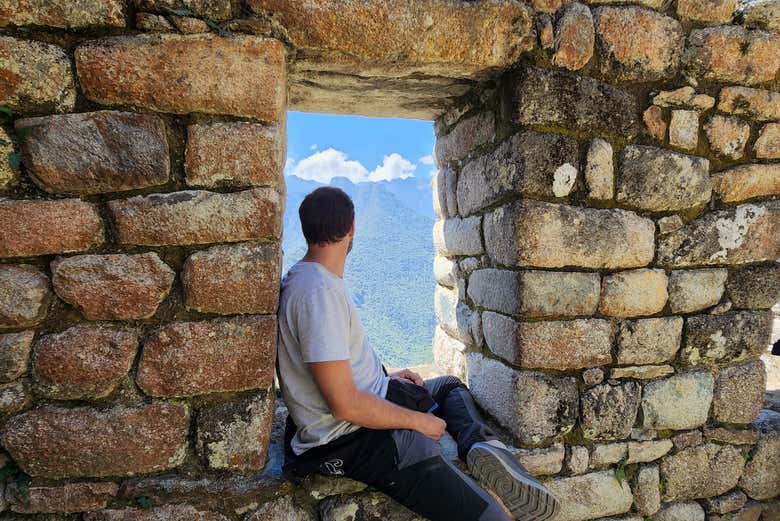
x,y
637,44
739,235
549,344
69,15
682,511
235,435
732,54
9,177
467,135
282,509
645,451
578,460
238,354
240,76
684,129
732,436
747,182
14,354
687,439
153,23
248,281
444,188
561,99
684,98
533,233
649,340
727,135
739,392
37,76
445,271
767,146
544,28
730,337
707,11
56,443
607,412
754,287
765,15
633,293
455,237
703,471
452,314
758,104
83,362
127,151
694,290
591,495
213,9
726,503
190,24
641,372
449,354
669,224
66,498
660,180
604,454
31,227
593,376
13,398
761,478
653,118
197,217
534,406
181,512
681,401
529,163
574,37
599,170
24,295
234,154
365,505
647,496
113,287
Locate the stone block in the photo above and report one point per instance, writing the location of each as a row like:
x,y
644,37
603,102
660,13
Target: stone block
x,y
234,154
658,5
9,176
593,376
213,9
659,180
553,344
649,340
712,340
687,439
747,182
599,170
35,227
553,98
574,37
468,134
669,224
732,54
59,499
449,354
14,397
578,460
542,461
605,454
445,271
181,512
707,11
24,295
765,15
364,505
198,217
727,135
681,511
740,235
732,436
761,478
684,98
681,401
767,146
452,314
68,15
684,129
455,237
739,392
83,362
754,287
220,355
728,502
56,443
607,412
633,293
653,117
281,509
646,490
150,22
248,279
694,290
758,104
37,76
646,451
240,76
113,287
548,235
641,372
14,354
530,164
127,151
589,496
698,472
631,54
444,191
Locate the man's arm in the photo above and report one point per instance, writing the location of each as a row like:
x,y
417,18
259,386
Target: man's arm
x,y
347,402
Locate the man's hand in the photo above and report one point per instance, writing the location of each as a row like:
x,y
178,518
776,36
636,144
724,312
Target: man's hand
x,y
406,374
432,426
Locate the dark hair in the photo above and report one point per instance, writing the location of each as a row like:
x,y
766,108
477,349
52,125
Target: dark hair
x,y
326,215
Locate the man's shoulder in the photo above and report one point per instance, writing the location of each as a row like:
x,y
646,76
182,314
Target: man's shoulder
x,y
309,286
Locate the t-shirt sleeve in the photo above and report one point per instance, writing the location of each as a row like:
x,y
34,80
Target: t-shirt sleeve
x,y
323,326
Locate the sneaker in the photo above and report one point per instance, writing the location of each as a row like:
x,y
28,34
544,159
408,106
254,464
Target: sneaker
x,y
491,463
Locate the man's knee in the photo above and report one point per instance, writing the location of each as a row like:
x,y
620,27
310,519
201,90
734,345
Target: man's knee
x,y
413,447
441,386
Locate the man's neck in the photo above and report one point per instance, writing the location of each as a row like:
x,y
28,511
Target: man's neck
x,y
331,262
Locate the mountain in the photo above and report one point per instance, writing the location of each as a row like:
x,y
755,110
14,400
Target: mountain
x,y
389,271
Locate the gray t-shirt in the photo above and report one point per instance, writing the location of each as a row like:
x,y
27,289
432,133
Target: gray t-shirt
x,y
319,322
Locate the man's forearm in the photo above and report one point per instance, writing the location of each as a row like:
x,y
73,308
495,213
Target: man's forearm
x,y
369,410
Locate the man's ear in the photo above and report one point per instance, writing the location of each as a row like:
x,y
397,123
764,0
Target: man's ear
x,y
352,227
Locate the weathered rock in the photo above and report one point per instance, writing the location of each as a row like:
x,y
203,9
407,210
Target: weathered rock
x,y
113,287
533,233
687,439
445,271
534,406
192,358
684,129
750,512
14,354
127,151
747,181
739,392
758,104
9,176
707,11
649,340
767,146
633,293
726,503
24,295
56,443
654,121
765,15
544,28
444,192
449,354
645,451
66,498
198,217
535,293
467,135
681,401
607,412
703,471
646,490
531,164
574,37
727,135
181,512
282,509
684,98
364,506
599,171
70,15
454,237
37,76
553,344
754,287
659,180
578,460
732,54
13,398
190,24
240,76
694,290
153,23
83,362
730,337
553,98
732,436
235,435
658,5
761,478
591,495
546,6
32,227
641,372
593,376
453,315
683,511
637,44
739,235
669,224
543,461
604,454
248,281
212,9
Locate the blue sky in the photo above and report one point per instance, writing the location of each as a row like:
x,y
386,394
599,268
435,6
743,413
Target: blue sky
x,y
322,146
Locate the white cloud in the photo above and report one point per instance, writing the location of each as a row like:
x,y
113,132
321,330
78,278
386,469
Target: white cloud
x,y
394,166
326,164
426,160
313,147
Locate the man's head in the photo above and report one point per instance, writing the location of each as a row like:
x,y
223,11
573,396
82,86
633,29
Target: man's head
x,y
327,217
